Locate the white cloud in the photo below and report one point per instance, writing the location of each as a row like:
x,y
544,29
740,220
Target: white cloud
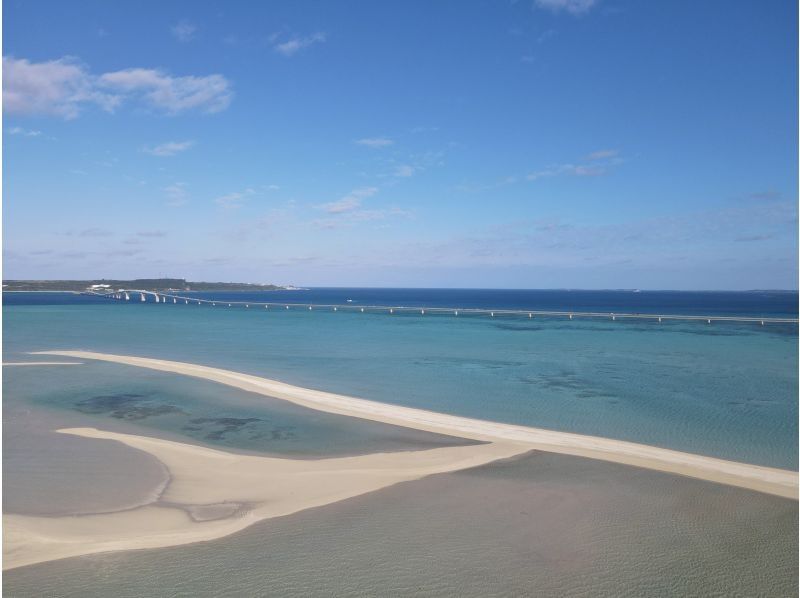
x,y
351,201
184,31
295,44
64,87
600,162
170,148
568,169
375,142
603,154
347,211
95,232
23,132
176,195
404,170
588,171
56,87
211,93
573,7
235,199
359,216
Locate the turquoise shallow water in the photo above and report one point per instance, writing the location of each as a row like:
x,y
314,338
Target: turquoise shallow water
x,y
543,525
140,401
46,473
726,390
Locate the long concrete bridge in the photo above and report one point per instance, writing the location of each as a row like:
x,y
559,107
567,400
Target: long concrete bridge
x,y
172,299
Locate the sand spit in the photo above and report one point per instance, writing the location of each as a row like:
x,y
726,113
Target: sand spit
x,y
770,480
212,494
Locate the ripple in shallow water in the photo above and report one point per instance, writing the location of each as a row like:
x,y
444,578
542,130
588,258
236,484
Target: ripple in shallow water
x,y
544,525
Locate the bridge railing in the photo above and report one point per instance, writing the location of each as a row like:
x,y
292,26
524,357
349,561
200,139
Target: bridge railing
x,y
170,298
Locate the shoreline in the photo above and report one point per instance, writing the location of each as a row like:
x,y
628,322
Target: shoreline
x,y
779,482
212,493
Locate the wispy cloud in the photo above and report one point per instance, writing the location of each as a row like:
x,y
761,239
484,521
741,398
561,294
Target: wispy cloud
x,y
170,148
184,31
573,7
351,201
545,35
604,154
173,95
176,195
566,169
765,195
293,45
95,232
752,238
648,241
348,211
599,163
23,132
64,87
375,142
358,216
423,129
404,170
151,234
234,199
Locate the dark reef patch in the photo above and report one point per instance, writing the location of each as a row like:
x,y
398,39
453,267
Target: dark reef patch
x,y
569,382
126,406
217,428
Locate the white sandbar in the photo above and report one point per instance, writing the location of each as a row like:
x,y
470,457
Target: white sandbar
x,y
770,480
212,493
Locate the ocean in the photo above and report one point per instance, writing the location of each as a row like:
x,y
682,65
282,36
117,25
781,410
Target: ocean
x,y
725,389
547,525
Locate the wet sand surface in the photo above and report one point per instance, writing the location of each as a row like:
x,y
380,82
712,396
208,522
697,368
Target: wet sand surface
x,y
46,473
540,525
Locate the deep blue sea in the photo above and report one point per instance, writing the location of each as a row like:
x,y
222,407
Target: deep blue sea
x,y
725,389
714,303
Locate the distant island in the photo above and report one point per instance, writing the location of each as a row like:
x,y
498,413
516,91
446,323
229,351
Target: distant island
x,y
144,284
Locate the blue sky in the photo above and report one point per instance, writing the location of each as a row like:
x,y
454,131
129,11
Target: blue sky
x,y
529,144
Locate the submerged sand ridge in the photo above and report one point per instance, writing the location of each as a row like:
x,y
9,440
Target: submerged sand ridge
x,y
213,493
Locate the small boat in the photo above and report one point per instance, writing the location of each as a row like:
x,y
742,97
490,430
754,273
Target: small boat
x,y
349,300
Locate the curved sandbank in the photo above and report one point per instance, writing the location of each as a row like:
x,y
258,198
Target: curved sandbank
x,y
770,480
212,493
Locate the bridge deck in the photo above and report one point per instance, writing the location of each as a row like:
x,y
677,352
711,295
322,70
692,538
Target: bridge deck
x,y
136,294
